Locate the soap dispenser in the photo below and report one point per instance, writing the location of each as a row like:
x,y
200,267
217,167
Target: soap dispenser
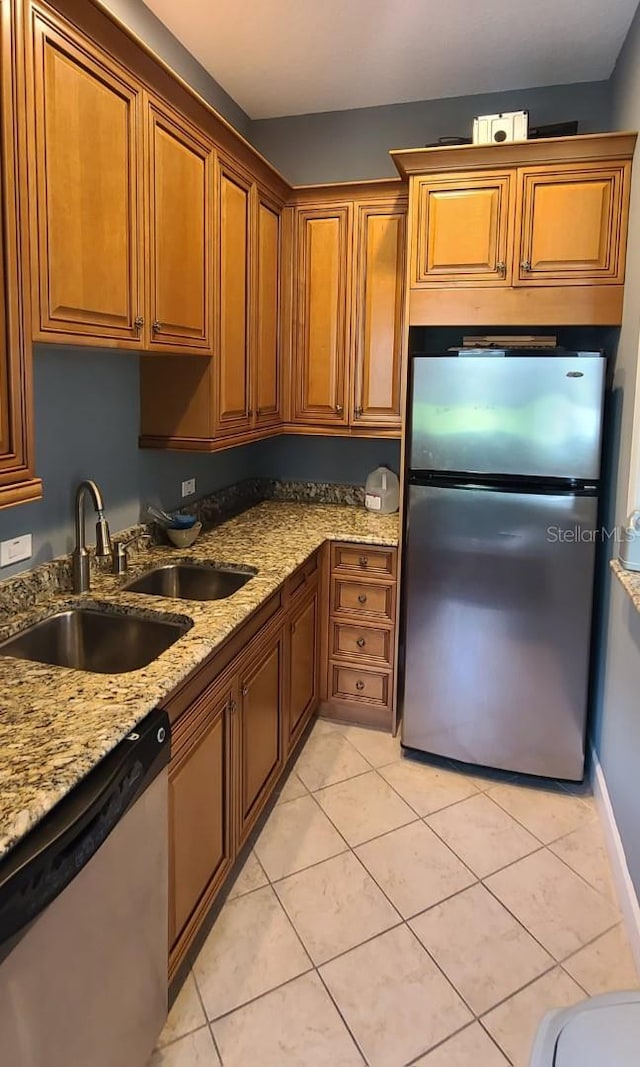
x,y
629,555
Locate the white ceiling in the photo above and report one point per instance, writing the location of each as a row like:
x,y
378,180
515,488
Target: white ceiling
x,y
292,57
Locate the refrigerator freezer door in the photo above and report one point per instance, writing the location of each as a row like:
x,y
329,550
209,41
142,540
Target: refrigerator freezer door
x,y
497,602
521,415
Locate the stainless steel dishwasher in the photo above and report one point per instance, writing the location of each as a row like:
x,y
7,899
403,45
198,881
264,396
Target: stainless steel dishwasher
x,y
83,917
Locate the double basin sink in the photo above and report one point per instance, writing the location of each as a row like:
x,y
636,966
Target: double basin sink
x,y
105,641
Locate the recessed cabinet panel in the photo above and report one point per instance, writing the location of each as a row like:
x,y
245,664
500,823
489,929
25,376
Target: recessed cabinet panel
x,y
378,315
303,660
571,226
88,226
180,174
323,276
267,314
462,230
232,408
200,850
260,749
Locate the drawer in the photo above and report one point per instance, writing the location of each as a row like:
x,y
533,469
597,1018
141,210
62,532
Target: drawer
x,y
361,643
363,559
363,600
350,684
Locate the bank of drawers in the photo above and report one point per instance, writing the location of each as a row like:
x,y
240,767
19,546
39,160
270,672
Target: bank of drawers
x,y
362,619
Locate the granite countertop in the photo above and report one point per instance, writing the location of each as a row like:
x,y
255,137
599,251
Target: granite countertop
x,y
56,723
630,581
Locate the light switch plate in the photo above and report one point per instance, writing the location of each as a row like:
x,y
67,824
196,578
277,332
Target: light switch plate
x,y
189,487
15,550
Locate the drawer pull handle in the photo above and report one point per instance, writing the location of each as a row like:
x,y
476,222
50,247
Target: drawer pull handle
x,y
359,686
362,599
364,561
361,642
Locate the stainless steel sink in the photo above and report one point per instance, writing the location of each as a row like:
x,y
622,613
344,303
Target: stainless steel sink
x,y
191,581
88,639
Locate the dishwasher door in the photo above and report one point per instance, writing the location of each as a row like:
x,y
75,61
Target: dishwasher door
x,y
85,984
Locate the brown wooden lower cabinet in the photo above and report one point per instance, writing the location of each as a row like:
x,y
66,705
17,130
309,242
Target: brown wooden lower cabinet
x,y
232,730
303,663
201,847
361,617
260,715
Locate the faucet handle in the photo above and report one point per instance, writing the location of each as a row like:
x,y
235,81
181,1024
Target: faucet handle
x,y
120,559
103,537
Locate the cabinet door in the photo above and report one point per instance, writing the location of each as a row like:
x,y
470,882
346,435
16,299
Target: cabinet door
x,y
572,225
179,165
260,734
85,157
303,665
266,312
234,215
461,230
379,313
200,819
323,264
17,482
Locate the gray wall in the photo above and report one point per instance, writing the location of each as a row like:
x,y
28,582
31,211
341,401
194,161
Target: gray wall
x,y
616,727
142,21
339,146
87,421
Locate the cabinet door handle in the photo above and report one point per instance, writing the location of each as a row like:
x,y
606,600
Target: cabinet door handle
x,y
364,561
245,690
501,268
359,686
293,627
357,412
362,599
138,322
526,264
361,642
232,705
157,326
339,409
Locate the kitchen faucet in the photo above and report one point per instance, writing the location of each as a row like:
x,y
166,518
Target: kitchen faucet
x,y
80,558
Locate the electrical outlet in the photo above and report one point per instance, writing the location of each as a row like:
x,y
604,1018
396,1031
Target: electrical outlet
x,y
16,550
189,487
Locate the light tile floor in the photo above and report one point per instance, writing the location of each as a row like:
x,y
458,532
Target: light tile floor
x,y
394,913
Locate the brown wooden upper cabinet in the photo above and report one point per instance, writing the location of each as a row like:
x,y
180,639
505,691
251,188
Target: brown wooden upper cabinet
x,y
105,270
464,228
232,411
572,225
180,172
323,252
560,226
378,313
207,404
17,480
85,165
349,267
266,380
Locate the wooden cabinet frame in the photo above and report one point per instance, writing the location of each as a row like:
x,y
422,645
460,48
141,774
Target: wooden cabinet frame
x,y
18,483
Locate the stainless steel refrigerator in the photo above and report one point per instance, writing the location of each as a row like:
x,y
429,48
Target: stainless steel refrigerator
x,y
503,468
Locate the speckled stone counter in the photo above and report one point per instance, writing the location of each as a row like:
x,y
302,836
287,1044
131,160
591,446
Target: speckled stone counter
x,y
630,581
56,723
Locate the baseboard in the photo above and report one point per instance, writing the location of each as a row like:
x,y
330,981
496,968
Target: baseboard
x,y
627,897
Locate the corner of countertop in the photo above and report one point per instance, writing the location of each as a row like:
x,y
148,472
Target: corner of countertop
x,y
629,580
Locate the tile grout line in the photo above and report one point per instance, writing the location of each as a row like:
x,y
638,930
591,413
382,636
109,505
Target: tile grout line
x,y
206,1015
